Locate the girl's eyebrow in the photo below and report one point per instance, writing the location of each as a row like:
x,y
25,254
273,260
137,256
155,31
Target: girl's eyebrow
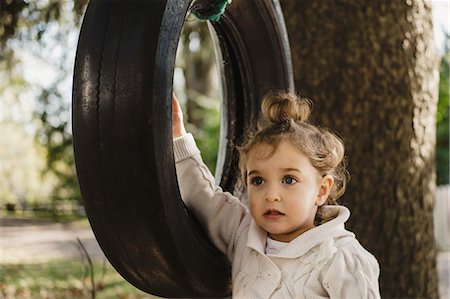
x,y
282,169
252,172
291,169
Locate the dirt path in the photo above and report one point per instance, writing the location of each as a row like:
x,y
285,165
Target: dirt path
x,y
36,241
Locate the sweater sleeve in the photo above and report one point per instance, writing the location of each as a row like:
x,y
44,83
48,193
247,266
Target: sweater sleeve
x,y
219,212
352,273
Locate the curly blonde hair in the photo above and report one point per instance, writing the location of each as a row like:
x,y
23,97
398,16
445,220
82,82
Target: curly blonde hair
x,y
285,116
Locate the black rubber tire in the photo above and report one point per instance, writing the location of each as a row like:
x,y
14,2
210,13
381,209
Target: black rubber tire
x,y
122,133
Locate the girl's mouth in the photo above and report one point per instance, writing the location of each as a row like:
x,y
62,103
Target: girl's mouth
x,y
272,213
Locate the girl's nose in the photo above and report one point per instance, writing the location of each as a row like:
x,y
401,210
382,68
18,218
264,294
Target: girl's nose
x,y
273,195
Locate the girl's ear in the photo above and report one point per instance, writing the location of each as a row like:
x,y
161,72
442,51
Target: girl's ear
x,y
324,190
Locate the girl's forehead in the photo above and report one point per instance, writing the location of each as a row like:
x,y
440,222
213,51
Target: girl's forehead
x,y
284,148
267,158
262,150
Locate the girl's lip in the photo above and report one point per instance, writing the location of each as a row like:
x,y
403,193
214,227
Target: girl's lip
x,y
273,213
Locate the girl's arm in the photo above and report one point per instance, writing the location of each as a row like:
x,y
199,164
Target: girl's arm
x,y
220,213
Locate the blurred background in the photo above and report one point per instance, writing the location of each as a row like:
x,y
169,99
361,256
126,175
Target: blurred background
x,y
39,192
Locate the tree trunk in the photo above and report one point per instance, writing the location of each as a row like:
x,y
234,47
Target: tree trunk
x,y
371,69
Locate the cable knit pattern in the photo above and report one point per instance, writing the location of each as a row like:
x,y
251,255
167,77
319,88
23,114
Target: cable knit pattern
x,y
324,262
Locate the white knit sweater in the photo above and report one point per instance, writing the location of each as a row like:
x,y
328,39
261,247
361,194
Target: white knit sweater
x,y
324,262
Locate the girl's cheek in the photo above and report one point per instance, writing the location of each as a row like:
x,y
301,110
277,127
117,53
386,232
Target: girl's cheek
x,y
251,204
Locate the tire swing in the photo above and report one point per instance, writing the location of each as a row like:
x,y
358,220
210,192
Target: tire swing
x,y
122,131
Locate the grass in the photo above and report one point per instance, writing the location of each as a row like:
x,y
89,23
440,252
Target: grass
x,y
72,213
64,279
61,278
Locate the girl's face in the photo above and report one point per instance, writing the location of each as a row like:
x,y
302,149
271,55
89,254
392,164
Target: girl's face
x,y
284,190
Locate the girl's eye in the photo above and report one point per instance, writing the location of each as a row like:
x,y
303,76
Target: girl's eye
x,y
257,181
289,180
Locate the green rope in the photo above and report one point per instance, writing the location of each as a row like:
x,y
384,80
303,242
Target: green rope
x,y
215,12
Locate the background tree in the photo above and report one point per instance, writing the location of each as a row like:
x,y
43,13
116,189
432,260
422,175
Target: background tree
x,y
443,119
371,69
40,29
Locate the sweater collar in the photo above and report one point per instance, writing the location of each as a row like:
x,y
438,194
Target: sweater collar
x,y
334,228
257,237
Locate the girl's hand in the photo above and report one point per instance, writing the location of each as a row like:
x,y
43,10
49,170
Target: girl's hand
x,y
178,129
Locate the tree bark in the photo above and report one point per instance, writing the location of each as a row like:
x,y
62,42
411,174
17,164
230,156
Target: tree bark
x,y
371,69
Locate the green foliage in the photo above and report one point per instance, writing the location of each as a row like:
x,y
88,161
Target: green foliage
x,y
9,17
198,88
443,122
208,136
57,212
54,134
63,279
34,15
40,29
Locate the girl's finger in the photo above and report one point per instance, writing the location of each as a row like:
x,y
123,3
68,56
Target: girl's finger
x,y
175,104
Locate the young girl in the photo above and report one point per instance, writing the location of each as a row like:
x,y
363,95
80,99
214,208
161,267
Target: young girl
x,y
291,241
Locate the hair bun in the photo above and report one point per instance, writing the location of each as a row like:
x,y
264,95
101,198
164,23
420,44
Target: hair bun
x,y
278,107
